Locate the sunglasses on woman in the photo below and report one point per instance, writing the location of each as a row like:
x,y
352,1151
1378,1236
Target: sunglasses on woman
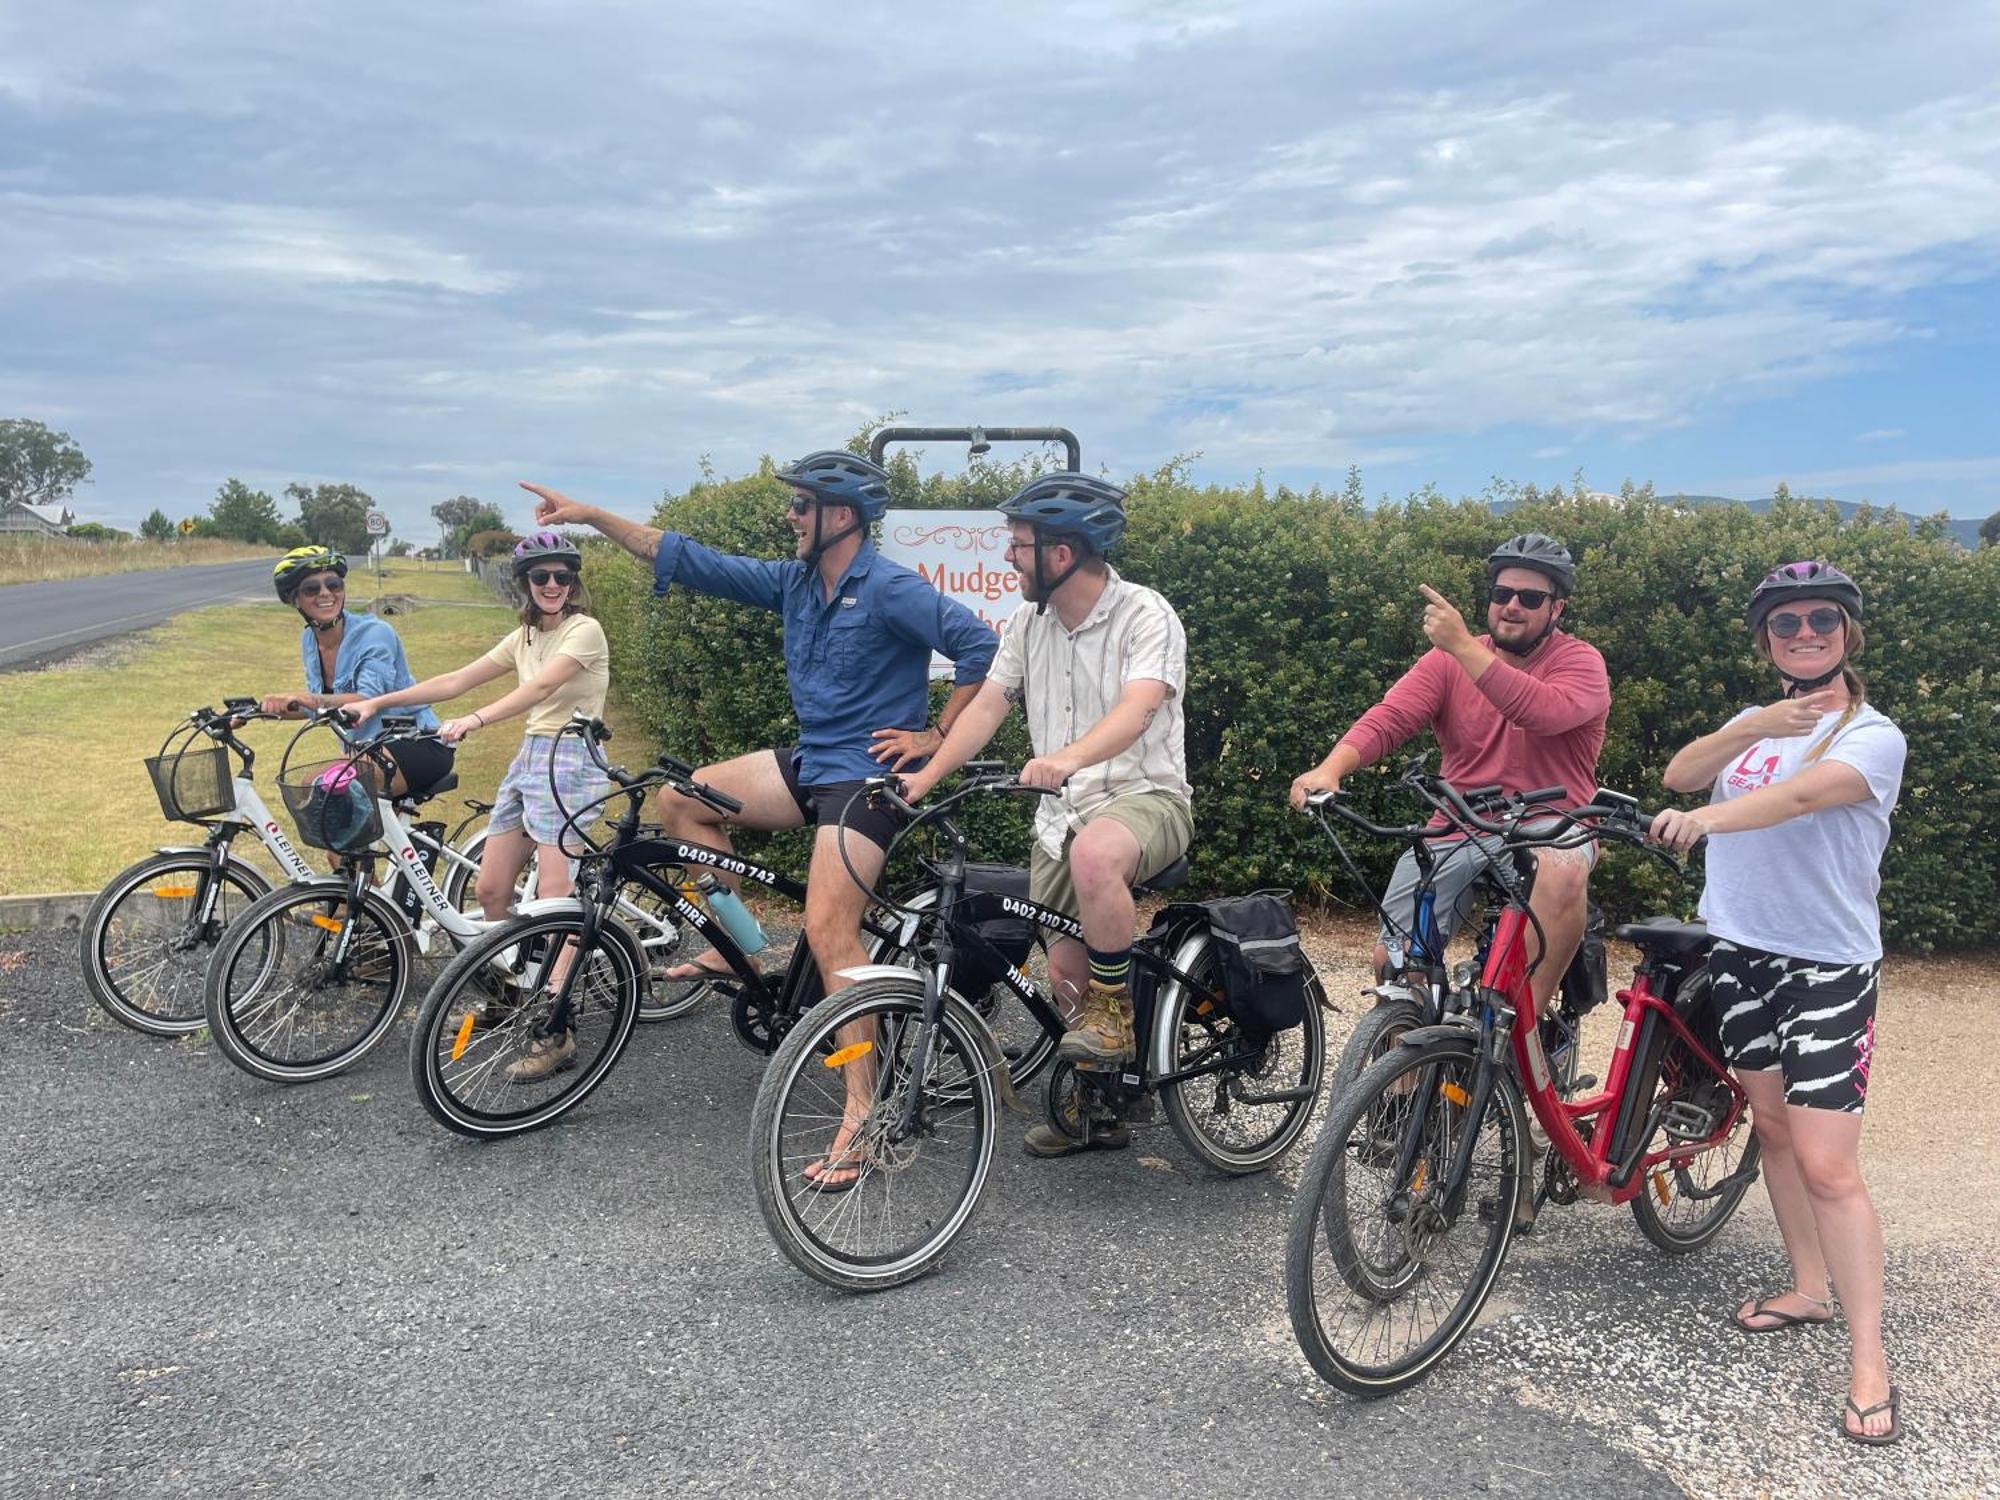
x,y
1824,621
1530,598
310,589
542,577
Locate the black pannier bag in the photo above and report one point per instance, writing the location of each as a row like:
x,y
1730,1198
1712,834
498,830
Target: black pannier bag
x,y
1585,983
1012,938
1264,969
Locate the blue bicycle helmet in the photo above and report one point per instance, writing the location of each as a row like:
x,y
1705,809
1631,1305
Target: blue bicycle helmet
x,y
1066,505
836,477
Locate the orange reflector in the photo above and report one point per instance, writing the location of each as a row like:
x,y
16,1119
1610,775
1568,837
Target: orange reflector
x,y
1423,1175
1204,1008
1660,1189
173,892
847,1055
464,1036
1455,1094
327,922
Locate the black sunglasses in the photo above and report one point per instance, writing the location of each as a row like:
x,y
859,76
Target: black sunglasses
x,y
1530,598
310,589
1824,621
799,504
542,577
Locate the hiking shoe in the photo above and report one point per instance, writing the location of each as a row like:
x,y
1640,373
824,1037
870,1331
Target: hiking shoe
x,y
545,1055
1102,1036
1106,1134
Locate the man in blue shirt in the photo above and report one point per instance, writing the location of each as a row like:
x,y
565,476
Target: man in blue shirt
x,y
859,633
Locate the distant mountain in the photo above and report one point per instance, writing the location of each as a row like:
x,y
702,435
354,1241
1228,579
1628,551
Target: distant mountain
x,y
1962,529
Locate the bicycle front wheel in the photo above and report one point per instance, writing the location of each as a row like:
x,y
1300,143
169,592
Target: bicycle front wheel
x,y
1258,1095
860,1190
1384,1272
150,933
307,982
497,1049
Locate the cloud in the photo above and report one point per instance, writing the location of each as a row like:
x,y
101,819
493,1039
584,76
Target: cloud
x,y
1879,435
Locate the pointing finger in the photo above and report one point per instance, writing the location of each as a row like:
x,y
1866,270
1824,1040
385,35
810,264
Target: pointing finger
x,y
1432,594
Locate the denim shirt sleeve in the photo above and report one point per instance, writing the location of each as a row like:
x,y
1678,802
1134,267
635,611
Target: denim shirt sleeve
x,y
919,613
748,580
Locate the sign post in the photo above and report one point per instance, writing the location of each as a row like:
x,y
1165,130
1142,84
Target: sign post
x,y
378,527
963,554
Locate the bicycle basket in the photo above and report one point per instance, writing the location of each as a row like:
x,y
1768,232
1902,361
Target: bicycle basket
x,y
193,782
333,803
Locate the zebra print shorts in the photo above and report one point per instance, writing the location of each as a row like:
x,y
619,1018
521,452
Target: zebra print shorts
x,y
1811,1021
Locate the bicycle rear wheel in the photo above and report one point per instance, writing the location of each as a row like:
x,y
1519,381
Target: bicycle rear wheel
x,y
1382,1274
145,953
1248,1112
835,1095
287,1002
1681,1208
488,1055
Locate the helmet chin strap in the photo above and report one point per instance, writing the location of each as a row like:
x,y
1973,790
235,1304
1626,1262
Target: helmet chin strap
x,y
1044,590
820,544
1794,686
322,626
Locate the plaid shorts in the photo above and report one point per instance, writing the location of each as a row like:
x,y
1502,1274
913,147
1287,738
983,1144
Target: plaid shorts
x,y
524,800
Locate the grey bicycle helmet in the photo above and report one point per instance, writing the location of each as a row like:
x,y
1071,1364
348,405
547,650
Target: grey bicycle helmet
x,y
1544,554
836,477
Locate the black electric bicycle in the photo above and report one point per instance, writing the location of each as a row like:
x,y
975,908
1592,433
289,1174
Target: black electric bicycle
x,y
896,1082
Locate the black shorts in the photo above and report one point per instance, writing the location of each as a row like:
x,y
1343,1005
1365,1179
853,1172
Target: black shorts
x,y
822,805
424,763
1812,1022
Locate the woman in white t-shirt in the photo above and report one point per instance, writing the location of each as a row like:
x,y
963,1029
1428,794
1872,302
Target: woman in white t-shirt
x,y
563,666
1796,824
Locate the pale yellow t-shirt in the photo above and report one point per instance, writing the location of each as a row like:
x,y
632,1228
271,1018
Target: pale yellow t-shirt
x,y
528,650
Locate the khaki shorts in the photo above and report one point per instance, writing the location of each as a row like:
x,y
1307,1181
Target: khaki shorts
x,y
1161,823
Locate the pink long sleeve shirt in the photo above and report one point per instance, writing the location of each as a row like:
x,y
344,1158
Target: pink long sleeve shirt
x,y
1522,727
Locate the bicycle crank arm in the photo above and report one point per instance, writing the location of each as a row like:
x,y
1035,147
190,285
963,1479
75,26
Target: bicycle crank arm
x,y
1280,1096
1743,1175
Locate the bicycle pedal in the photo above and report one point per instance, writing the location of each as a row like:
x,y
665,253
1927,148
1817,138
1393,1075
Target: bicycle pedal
x,y
1142,1111
1684,1121
1577,1086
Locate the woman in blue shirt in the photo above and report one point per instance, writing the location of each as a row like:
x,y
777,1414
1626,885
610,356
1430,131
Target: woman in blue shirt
x,y
347,657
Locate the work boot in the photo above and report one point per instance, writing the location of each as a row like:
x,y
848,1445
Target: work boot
x,y
545,1055
1102,1036
1107,1131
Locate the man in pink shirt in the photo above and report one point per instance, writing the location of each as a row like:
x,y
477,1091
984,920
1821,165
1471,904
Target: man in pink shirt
x,y
1524,707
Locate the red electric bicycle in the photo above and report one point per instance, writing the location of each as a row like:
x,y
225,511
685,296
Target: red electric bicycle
x,y
1408,1204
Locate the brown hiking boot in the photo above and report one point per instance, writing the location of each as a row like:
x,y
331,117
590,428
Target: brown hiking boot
x,y
1102,1036
545,1055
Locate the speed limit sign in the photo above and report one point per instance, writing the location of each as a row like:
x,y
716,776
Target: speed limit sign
x,y
378,524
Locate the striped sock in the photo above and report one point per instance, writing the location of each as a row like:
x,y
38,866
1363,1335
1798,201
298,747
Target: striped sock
x,y
1110,971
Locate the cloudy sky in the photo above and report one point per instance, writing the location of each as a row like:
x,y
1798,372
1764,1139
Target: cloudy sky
x,y
433,249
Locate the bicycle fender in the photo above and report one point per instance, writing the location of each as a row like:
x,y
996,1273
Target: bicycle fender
x,y
612,927
1183,958
180,849
1423,1036
996,1062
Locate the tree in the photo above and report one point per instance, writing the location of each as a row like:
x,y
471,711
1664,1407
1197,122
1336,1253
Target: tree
x,y
1989,530
93,531
334,515
462,515
38,466
156,527
245,514
399,548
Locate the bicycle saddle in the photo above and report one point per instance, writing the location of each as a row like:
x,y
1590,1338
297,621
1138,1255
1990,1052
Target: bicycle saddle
x,y
1175,874
437,788
1664,937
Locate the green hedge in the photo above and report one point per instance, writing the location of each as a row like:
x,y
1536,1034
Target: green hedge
x,y
1302,608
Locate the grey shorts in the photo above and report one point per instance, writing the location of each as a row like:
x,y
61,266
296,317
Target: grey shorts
x,y
1458,867
1161,823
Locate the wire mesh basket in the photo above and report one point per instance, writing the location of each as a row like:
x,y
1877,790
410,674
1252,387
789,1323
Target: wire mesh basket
x,y
193,782
334,803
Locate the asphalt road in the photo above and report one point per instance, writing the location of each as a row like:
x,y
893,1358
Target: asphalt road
x,y
214,1284
42,621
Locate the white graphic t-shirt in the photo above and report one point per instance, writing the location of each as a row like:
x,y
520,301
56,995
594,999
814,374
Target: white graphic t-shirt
x,y
1807,887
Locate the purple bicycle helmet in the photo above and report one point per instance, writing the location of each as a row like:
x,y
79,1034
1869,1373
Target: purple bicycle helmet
x,y
1803,580
545,547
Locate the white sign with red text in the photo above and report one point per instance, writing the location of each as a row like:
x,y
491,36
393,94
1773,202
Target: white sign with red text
x,y
963,553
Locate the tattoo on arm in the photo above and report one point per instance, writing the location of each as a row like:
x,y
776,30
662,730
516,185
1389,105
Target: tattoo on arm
x,y
1016,695
1147,722
640,541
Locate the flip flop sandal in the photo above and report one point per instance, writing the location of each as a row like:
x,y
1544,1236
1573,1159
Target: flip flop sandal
x,y
1861,1414
819,1182
1761,1309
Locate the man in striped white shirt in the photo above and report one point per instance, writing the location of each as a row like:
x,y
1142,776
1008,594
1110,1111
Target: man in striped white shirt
x,y
1100,665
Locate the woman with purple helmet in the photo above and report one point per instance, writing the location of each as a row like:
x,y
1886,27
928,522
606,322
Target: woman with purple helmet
x,y
1798,816
562,666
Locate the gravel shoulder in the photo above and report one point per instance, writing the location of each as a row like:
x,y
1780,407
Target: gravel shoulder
x,y
219,1285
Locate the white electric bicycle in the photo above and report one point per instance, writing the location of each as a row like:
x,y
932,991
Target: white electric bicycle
x,y
308,979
